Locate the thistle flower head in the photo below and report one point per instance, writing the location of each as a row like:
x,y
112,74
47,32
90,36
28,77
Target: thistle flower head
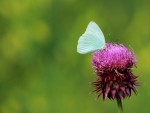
x,y
112,66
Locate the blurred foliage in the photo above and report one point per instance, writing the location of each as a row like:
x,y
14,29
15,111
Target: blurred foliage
x,y
40,70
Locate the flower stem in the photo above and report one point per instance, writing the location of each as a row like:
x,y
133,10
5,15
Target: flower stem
x,y
120,108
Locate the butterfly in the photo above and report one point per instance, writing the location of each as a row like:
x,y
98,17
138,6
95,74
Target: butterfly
x,y
92,40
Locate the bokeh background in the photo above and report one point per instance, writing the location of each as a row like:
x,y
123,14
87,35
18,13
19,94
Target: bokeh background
x,y
40,70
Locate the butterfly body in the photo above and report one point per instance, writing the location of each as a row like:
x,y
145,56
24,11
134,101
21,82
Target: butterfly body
x,y
92,40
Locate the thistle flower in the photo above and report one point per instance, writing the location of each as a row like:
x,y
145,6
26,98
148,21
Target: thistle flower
x,y
112,66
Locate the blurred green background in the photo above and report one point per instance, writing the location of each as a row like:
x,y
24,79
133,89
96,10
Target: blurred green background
x,y
40,70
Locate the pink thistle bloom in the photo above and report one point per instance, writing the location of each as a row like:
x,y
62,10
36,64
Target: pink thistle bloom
x,y
112,66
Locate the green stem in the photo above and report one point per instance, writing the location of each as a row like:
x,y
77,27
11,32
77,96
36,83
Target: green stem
x,y
120,108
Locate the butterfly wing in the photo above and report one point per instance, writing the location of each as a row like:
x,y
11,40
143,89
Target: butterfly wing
x,y
92,40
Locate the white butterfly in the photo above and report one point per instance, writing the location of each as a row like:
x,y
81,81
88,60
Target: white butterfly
x,y
92,40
